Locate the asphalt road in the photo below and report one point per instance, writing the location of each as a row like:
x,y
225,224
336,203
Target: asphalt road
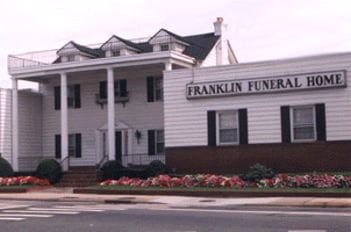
x,y
54,217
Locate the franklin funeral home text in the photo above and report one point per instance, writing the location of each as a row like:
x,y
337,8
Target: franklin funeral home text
x,y
266,85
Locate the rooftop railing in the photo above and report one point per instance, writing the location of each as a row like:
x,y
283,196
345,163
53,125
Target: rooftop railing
x,y
43,58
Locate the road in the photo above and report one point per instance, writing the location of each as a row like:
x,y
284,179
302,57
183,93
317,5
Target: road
x,y
55,216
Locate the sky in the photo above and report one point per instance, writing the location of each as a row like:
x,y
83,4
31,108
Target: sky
x,y
257,29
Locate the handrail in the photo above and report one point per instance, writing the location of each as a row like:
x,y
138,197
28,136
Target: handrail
x,y
63,163
100,163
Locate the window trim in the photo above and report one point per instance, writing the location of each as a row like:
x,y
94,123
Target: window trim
x,y
157,142
236,113
292,123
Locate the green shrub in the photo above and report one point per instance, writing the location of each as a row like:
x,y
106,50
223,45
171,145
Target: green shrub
x,y
258,172
112,170
156,167
5,168
49,169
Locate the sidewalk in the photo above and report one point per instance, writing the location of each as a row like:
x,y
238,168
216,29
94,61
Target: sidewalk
x,y
67,195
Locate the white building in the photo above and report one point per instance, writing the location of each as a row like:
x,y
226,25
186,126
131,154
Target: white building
x,y
181,99
290,115
104,103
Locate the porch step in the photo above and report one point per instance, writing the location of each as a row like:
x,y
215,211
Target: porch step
x,y
79,177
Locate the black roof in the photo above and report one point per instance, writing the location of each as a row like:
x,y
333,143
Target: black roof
x,y
199,46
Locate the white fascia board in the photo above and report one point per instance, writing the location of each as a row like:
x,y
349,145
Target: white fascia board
x,y
102,63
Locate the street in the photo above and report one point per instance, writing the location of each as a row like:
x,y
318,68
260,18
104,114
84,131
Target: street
x,y
33,216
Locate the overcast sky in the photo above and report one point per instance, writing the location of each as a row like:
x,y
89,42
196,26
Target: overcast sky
x,y
258,29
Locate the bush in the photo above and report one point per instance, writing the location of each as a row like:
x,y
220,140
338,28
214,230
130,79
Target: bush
x,y
5,168
258,172
49,169
156,167
112,170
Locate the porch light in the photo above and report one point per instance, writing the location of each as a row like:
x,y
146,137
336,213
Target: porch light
x,y
138,135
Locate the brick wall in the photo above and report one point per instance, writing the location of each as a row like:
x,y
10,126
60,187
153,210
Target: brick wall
x,y
302,157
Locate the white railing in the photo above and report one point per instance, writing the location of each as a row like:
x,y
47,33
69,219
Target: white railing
x,y
141,159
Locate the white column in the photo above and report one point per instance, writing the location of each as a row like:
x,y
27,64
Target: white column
x,y
64,121
111,114
168,66
15,141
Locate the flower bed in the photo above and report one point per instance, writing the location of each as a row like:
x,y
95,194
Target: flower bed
x,y
23,180
279,181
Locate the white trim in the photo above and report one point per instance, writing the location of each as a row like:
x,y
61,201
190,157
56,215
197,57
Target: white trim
x,y
103,63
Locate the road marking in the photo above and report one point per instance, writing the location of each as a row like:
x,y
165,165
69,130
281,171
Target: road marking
x,y
40,211
309,213
11,219
307,231
95,207
11,206
26,215
66,209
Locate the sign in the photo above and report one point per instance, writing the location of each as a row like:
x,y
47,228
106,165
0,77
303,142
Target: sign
x,y
321,80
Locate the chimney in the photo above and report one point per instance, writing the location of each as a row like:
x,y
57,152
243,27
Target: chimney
x,y
220,29
219,26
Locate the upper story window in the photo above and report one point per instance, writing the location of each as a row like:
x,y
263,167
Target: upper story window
x,y
164,47
228,128
154,89
73,96
303,123
116,53
71,58
120,89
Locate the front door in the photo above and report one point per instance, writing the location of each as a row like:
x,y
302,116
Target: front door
x,y
118,143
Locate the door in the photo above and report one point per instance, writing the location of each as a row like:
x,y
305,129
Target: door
x,y
118,143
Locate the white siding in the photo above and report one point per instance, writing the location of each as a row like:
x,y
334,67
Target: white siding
x,y
30,128
29,106
5,124
186,120
137,113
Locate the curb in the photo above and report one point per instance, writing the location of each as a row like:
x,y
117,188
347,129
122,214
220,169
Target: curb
x,y
215,193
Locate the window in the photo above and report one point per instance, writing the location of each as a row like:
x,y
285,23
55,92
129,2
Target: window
x,y
74,145
303,123
227,124
116,53
120,89
160,142
156,142
154,89
164,47
71,58
73,97
227,127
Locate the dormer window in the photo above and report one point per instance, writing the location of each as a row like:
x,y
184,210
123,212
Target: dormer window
x,y
116,53
71,58
164,47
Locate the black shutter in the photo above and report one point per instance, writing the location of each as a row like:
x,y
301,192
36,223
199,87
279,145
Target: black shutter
x,y
57,146
77,96
150,89
320,122
78,145
211,128
151,142
243,128
103,89
285,124
57,96
123,88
